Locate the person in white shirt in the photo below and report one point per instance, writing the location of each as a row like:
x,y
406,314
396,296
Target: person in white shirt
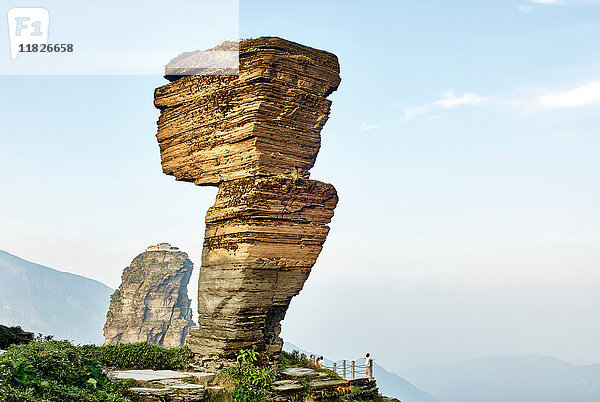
x,y
368,360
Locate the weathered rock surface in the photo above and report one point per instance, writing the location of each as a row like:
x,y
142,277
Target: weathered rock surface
x,y
265,121
167,385
256,136
296,380
263,235
152,303
294,383
146,377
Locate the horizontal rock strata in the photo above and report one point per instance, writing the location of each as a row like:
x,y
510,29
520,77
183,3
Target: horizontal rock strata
x,y
291,384
295,380
152,304
255,135
263,235
167,386
265,121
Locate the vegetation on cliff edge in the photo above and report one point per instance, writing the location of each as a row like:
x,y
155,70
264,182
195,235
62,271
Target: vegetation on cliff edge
x,y
55,371
246,381
60,371
140,356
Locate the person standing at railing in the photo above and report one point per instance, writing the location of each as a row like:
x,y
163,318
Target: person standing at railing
x,y
369,365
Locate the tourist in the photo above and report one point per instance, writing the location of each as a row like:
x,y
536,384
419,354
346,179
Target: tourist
x,y
368,360
320,362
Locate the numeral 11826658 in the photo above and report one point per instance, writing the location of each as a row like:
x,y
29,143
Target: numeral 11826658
x,y
46,48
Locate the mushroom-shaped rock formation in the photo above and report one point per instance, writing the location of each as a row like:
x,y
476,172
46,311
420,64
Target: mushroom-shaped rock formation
x,y
255,136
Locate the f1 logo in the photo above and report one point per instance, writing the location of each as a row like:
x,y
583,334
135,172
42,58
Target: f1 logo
x,y
27,25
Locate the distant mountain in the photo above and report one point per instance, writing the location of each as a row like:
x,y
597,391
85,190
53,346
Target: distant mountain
x,y
528,378
42,299
389,384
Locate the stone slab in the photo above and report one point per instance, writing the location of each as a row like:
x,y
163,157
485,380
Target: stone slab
x,y
299,372
159,375
187,386
146,390
284,386
322,384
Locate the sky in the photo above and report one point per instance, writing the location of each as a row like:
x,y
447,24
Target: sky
x,y
463,143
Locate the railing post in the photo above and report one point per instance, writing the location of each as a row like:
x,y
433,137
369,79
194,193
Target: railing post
x,y
344,369
335,368
371,369
353,369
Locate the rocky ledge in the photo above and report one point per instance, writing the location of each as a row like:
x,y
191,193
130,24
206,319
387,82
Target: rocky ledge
x,y
299,383
293,384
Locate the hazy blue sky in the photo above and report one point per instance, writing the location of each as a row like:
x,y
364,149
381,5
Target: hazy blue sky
x,y
464,145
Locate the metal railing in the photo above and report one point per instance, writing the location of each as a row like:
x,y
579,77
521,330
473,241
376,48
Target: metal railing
x,y
349,371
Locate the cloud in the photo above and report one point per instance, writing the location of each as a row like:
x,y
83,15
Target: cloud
x,y
369,127
526,9
583,95
532,4
566,2
449,100
414,112
531,101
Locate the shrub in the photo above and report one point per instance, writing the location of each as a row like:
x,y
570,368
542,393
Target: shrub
x,y
140,355
55,370
306,393
297,359
252,383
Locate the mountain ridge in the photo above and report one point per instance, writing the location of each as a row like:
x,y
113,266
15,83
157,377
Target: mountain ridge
x,y
9,255
46,300
520,378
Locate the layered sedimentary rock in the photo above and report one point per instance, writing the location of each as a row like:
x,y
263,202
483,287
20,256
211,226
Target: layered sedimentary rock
x,y
152,304
263,235
265,121
255,136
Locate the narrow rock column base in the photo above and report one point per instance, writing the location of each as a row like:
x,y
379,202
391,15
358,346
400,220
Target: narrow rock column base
x,y
263,235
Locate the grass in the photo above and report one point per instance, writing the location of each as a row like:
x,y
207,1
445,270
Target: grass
x,y
52,370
